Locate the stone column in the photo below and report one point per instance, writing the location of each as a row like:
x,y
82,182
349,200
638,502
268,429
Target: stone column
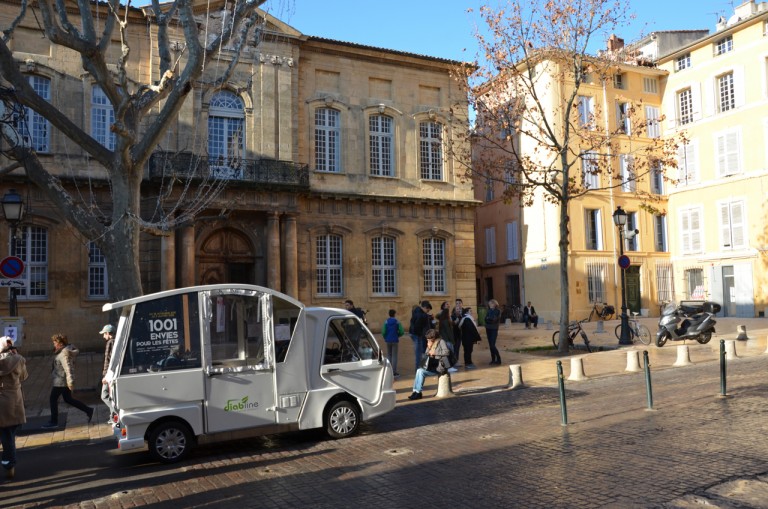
x,y
273,251
168,262
291,257
187,265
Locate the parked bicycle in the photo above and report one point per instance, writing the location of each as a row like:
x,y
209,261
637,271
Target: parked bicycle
x,y
605,313
513,312
637,331
574,328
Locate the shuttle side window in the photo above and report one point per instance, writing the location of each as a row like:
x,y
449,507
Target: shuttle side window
x,y
164,335
347,341
286,314
237,330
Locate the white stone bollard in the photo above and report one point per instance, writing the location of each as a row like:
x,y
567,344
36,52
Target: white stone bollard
x,y
508,323
549,324
730,349
577,370
444,388
633,360
600,327
742,332
683,356
515,377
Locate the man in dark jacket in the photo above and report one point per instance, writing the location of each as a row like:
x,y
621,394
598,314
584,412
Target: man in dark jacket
x,y
530,316
421,322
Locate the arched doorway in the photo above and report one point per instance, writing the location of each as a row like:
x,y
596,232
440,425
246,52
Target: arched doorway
x,y
228,256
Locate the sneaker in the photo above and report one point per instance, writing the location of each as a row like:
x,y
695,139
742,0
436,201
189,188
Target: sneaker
x,y
415,396
469,366
397,374
457,365
50,425
453,370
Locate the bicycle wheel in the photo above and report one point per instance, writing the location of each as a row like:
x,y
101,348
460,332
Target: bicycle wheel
x,y
643,334
617,331
586,340
556,339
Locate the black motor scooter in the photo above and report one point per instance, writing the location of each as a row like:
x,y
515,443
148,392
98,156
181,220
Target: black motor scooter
x,y
698,322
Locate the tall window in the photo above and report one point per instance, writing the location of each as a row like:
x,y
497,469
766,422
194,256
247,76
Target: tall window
x,y
694,283
431,150
728,150
683,62
664,288
513,242
327,140
596,282
586,106
690,230
732,225
381,145
724,45
32,248
33,127
660,233
631,243
685,106
97,273
489,195
433,256
657,178
653,127
623,111
226,135
628,177
726,95
687,164
383,265
102,118
490,245
328,265
593,227
590,176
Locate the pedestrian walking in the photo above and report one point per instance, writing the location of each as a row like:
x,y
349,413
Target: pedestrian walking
x,y
107,332
63,378
13,371
456,314
432,363
492,319
421,322
392,330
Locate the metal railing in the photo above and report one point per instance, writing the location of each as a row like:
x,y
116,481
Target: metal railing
x,y
253,172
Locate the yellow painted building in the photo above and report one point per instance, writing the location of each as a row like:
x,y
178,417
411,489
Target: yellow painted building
x,y
716,92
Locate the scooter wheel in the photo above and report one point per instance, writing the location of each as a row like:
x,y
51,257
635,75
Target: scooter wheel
x,y
662,338
704,338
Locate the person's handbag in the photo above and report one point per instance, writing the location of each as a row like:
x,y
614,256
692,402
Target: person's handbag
x,y
430,363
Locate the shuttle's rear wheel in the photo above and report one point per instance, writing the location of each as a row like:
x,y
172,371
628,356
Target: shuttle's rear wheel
x,y
170,441
342,419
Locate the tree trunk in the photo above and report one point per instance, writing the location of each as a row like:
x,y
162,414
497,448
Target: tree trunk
x,y
564,294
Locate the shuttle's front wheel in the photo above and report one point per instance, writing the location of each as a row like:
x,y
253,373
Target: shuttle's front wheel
x,y
342,419
170,441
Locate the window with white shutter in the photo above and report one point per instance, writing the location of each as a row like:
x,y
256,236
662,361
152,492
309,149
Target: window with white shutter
x,y
628,178
732,226
490,245
690,230
687,163
653,127
586,109
513,242
593,230
728,147
590,177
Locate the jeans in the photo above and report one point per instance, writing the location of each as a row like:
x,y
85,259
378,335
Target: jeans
x,y
8,440
492,335
421,374
419,346
392,355
64,392
107,400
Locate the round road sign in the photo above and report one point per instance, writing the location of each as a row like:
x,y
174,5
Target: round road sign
x,y
624,261
11,267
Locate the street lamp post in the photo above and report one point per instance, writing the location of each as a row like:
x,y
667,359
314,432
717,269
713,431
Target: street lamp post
x,y
620,220
13,209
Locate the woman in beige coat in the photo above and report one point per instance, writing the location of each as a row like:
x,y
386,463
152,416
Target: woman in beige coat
x,y
63,375
13,371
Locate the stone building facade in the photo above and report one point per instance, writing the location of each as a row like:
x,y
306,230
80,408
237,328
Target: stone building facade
x,y
339,182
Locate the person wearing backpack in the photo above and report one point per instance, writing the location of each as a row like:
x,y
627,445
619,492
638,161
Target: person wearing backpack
x,y
392,330
421,322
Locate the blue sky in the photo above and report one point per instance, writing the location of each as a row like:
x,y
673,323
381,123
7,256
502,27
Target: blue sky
x,y
443,28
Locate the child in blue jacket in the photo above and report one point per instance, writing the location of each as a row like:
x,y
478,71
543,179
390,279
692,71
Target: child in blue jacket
x,y
392,330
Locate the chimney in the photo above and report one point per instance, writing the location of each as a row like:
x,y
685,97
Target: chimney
x,y
615,43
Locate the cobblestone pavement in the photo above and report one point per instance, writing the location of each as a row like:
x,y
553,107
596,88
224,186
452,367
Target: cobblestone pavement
x,y
488,447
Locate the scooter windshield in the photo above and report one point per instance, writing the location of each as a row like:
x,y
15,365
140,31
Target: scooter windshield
x,y
669,309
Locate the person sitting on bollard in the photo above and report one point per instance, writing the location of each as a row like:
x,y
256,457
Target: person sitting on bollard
x,y
432,362
530,316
